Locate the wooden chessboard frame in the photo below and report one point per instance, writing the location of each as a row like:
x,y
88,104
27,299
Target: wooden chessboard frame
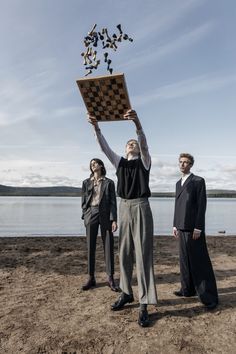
x,y
105,97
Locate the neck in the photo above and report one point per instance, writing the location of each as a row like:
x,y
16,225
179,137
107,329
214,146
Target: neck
x,y
185,174
130,156
97,175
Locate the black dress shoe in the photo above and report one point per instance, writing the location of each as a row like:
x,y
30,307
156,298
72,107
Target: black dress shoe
x,y
91,283
211,306
181,294
112,284
122,300
143,319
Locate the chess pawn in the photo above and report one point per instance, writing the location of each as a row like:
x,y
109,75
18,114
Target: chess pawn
x,y
119,28
105,57
110,71
125,36
114,36
108,66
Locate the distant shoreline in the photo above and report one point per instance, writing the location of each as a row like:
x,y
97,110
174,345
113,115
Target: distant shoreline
x,y
64,191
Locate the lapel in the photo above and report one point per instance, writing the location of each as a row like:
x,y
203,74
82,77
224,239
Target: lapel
x,y
103,187
179,188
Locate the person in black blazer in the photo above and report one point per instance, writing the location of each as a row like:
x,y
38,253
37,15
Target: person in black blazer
x,y
196,272
99,209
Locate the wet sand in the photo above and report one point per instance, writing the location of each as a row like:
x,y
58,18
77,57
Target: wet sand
x,y
43,309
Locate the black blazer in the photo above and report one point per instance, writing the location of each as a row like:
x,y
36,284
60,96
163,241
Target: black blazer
x,y
190,204
107,205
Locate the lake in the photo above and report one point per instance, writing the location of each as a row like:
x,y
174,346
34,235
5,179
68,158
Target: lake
x,y
61,216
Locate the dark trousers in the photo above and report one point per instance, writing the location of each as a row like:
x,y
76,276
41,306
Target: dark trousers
x,y
108,243
196,270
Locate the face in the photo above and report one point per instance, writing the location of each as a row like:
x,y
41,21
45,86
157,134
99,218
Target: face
x,y
132,147
184,165
95,167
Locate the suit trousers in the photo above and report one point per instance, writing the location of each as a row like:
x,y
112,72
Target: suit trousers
x,y
136,241
196,272
107,239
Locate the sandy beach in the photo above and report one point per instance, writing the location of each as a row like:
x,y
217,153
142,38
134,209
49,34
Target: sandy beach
x,y
43,309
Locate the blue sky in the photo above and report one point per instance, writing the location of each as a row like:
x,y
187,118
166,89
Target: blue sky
x,y
180,72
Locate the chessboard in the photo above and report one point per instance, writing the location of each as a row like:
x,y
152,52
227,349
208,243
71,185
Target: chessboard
x,y
105,97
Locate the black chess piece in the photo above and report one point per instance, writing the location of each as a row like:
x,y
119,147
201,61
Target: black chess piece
x,y
105,57
119,38
100,36
95,42
119,28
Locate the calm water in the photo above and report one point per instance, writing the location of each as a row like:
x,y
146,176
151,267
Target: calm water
x,y
47,216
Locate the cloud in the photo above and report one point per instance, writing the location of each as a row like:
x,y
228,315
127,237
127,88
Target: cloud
x,y
158,52
195,85
162,21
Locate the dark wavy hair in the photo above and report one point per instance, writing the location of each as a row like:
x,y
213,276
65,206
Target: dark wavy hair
x,y
101,163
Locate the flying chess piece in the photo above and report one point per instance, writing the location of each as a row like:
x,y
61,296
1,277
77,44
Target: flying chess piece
x,y
119,28
97,63
105,57
108,66
94,55
92,40
90,33
101,37
88,72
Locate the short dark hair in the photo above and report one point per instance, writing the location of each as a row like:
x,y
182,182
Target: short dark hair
x,y
101,163
188,156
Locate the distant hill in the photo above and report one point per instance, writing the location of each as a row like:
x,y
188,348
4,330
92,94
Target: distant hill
x,y
211,193
60,191
63,191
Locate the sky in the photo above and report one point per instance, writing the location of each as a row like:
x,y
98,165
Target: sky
x,y
180,73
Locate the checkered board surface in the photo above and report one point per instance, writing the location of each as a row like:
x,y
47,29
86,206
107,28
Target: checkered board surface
x,y
105,97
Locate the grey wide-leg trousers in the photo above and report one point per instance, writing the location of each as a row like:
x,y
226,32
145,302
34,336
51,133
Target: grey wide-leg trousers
x,y
136,238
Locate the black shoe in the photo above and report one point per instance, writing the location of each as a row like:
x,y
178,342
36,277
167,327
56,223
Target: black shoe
x,y
122,300
211,306
181,294
91,283
143,319
112,284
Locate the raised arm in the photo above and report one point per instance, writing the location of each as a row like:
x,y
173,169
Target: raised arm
x,y
145,156
110,154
